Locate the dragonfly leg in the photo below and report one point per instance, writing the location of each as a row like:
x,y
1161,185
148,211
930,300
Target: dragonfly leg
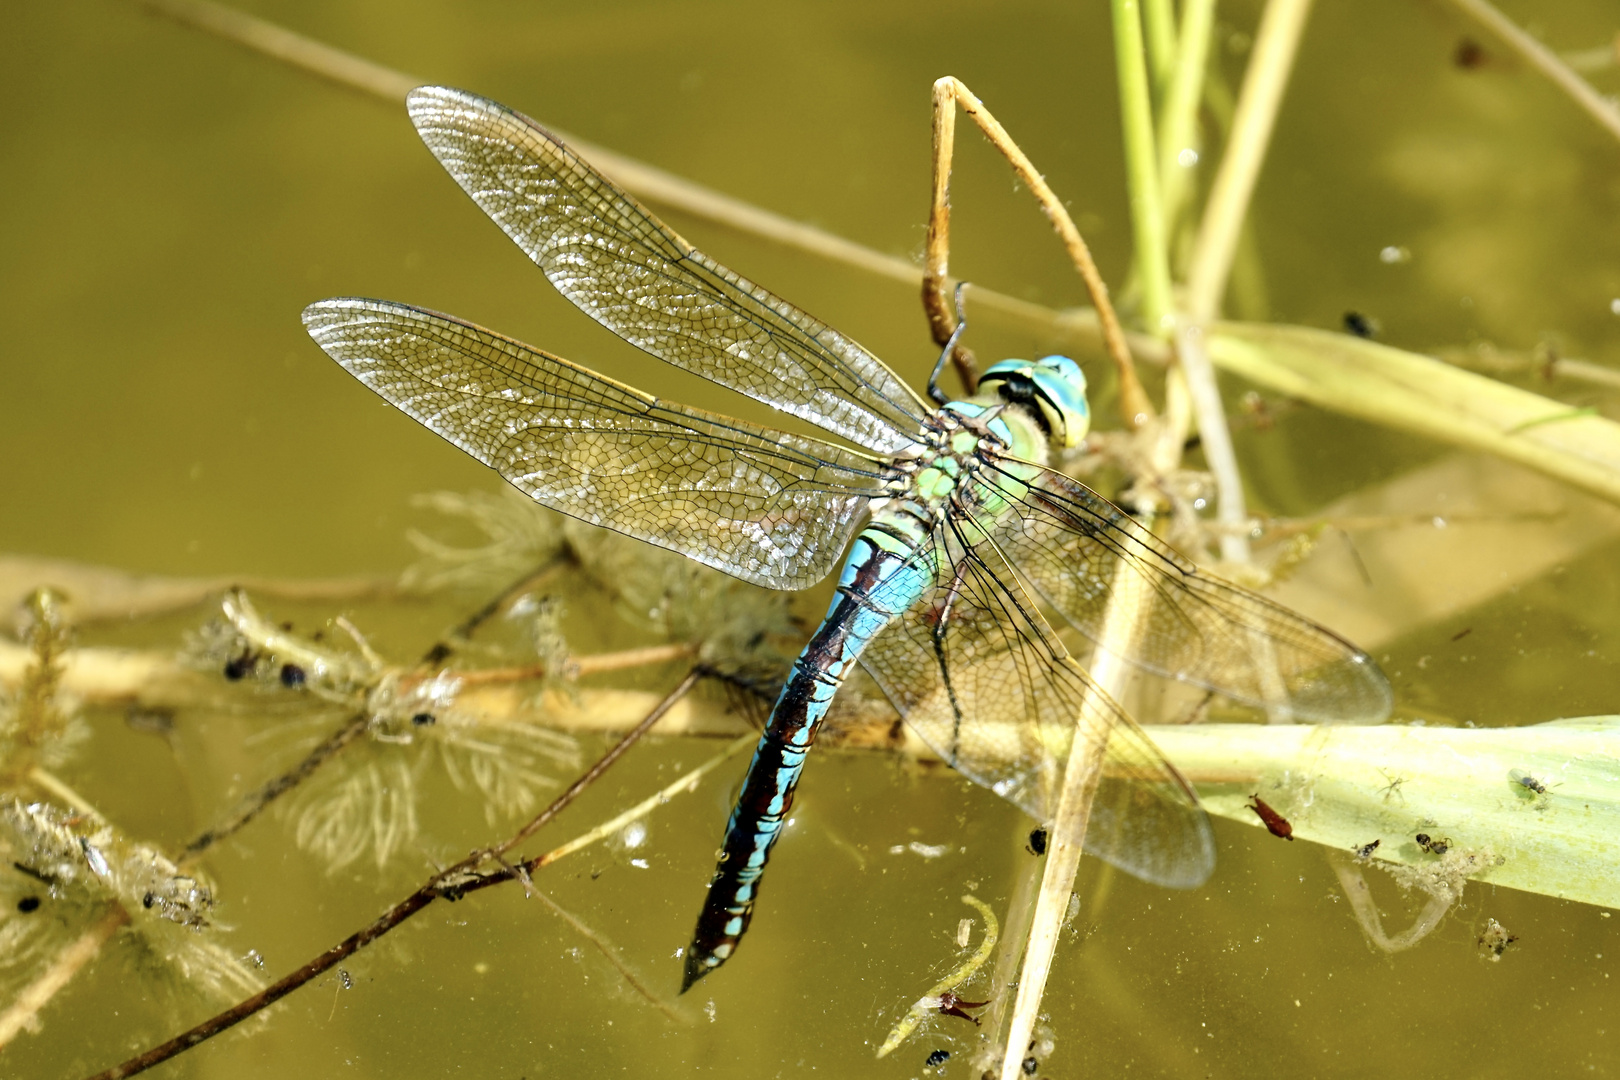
x,y
942,620
934,392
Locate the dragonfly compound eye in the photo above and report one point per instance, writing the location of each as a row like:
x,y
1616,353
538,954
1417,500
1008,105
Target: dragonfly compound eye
x,y
1053,387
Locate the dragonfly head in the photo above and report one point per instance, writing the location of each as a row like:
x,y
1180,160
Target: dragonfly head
x,y
1052,388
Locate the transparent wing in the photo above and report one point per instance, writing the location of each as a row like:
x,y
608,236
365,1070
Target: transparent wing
x,y
769,507
631,273
1074,549
985,682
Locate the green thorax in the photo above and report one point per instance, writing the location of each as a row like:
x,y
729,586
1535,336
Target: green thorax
x,y
1022,410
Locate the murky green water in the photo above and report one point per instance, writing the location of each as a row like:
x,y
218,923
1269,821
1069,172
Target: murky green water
x,y
172,202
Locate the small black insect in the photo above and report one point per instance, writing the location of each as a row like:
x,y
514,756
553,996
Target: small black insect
x,y
27,904
1528,782
148,900
422,719
292,675
938,1058
240,667
1365,850
1275,823
1432,844
1358,324
1030,1065
1037,841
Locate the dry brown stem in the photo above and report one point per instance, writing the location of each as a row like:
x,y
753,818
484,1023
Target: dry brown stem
x,y
950,93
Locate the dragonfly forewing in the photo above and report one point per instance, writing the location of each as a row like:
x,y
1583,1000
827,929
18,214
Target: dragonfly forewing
x,y
1075,550
634,275
767,506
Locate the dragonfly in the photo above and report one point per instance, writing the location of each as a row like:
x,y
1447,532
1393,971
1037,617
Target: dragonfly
x,y
967,562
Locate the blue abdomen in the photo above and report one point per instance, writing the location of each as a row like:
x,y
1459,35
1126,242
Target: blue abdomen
x,y
885,573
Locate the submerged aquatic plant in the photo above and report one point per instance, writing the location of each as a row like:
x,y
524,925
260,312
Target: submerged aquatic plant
x,y
71,876
441,713
729,622
366,803
39,728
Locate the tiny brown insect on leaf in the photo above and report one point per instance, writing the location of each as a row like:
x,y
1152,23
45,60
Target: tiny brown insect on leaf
x,y
1275,823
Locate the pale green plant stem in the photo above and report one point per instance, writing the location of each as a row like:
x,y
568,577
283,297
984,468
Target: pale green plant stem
x,y
1148,217
1128,607
1178,115
1141,169
1159,23
1215,439
1275,47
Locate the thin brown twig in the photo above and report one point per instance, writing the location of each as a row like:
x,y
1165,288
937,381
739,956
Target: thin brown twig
x,y
948,93
611,954
256,802
936,257
463,631
640,179
590,775
449,884
344,69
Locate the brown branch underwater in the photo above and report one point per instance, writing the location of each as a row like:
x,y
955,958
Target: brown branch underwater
x,y
453,883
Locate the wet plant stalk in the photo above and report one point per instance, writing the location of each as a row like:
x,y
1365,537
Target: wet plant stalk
x,y
1141,166
1276,44
1128,606
1178,115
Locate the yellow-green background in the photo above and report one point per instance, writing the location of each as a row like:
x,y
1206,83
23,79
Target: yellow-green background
x,y
170,203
